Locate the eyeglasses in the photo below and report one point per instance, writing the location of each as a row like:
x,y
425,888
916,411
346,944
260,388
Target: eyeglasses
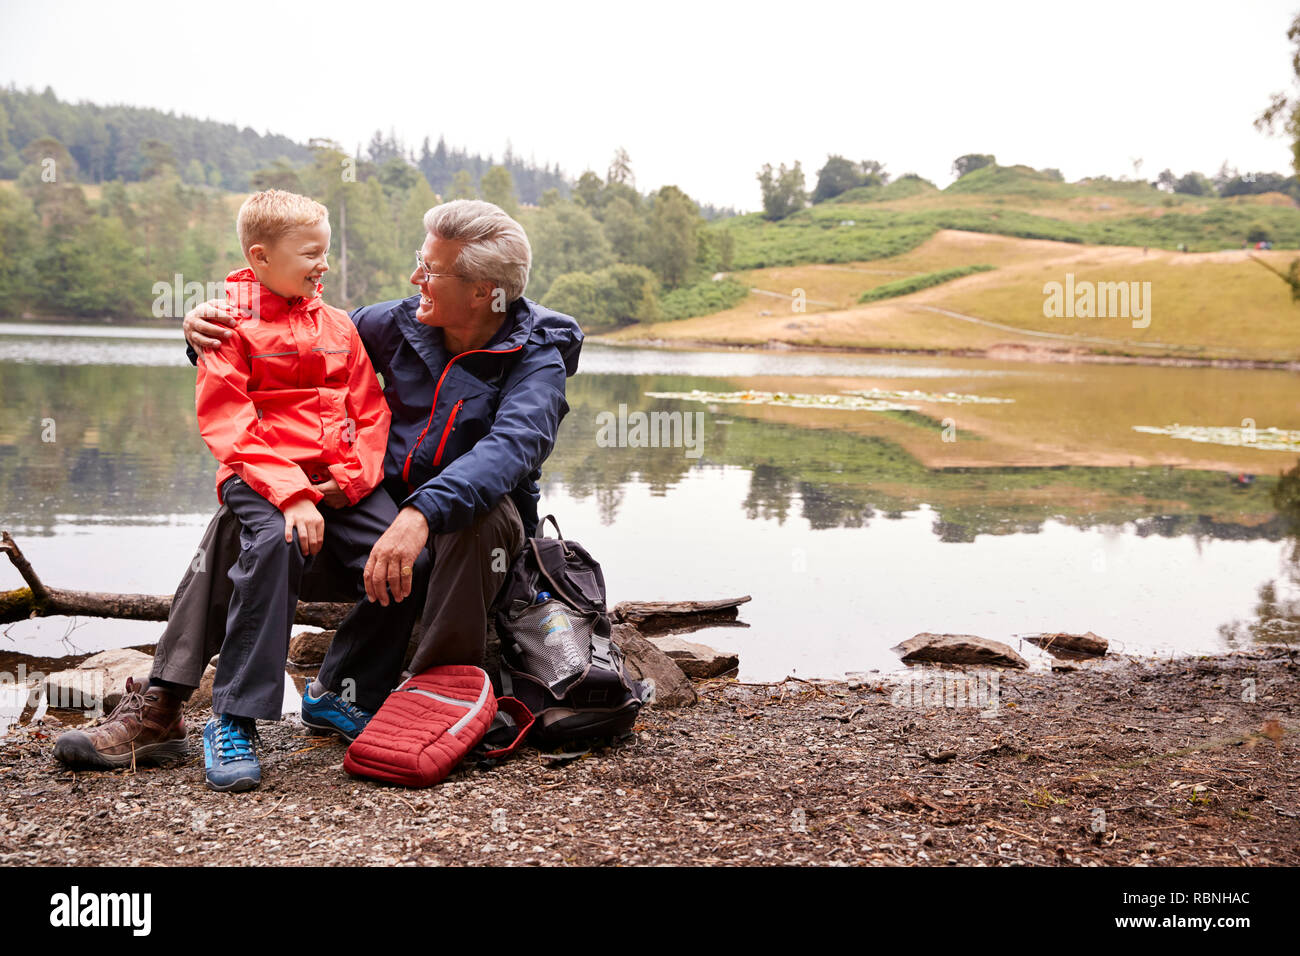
x,y
419,264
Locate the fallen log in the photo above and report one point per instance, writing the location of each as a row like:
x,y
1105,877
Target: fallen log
x,y
40,600
651,616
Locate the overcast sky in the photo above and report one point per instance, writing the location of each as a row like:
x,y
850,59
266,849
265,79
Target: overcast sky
x,y
700,94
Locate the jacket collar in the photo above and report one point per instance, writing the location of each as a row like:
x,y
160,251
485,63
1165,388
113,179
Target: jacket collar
x,y
429,345
244,291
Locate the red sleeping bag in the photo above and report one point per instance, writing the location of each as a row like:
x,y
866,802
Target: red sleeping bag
x,y
425,727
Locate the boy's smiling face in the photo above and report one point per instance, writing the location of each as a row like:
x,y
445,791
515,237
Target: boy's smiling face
x,y
292,265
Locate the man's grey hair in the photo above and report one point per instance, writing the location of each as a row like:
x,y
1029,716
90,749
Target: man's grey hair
x,y
496,248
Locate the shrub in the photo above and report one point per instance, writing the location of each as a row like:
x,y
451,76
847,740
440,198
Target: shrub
x,y
703,298
912,284
1259,233
615,295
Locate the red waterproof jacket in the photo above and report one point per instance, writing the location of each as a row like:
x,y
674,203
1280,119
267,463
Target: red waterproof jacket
x,y
291,398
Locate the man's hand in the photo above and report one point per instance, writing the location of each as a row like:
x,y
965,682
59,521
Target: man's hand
x,y
201,333
303,516
392,559
334,496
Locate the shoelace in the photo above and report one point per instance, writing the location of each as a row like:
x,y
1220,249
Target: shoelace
x,y
356,713
353,711
233,741
132,699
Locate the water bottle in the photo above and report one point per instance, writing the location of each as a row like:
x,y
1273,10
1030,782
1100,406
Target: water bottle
x,y
557,631
542,597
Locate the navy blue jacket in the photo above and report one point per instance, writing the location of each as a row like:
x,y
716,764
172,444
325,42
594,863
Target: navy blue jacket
x,y
469,429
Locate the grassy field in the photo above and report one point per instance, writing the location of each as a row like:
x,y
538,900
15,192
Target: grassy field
x,y
1201,305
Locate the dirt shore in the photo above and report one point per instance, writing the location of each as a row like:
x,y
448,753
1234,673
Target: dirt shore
x,y
1130,761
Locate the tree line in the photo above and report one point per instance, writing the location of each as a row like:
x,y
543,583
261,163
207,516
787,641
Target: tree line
x,y
784,190
115,143
154,241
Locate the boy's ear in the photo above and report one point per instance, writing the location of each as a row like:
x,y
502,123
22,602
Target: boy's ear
x,y
256,254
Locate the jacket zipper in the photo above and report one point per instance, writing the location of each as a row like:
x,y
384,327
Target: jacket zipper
x,y
437,457
406,467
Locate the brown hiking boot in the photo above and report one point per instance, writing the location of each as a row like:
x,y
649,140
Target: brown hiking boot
x,y
147,726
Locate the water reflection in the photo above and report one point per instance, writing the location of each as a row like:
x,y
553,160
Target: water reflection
x,y
848,543
1277,612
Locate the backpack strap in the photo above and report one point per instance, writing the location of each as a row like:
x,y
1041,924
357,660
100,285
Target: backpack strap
x,y
510,711
541,530
555,587
600,651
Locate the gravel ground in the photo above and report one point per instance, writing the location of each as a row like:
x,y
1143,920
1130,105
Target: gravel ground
x,y
1119,762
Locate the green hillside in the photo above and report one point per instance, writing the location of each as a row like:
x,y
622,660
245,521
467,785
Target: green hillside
x,y
874,222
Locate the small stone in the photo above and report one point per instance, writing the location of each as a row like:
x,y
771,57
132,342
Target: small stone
x,y
959,649
697,661
308,648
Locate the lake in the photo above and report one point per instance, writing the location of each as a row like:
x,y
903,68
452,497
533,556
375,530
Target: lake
x,y
860,499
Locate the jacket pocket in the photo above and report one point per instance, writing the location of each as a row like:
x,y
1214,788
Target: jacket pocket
x,y
335,363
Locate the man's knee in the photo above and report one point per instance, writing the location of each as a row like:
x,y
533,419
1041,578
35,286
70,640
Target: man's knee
x,y
497,534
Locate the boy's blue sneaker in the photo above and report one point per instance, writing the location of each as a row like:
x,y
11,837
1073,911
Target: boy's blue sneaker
x,y
330,713
228,754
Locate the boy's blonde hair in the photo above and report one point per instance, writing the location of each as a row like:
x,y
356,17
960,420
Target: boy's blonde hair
x,y
266,216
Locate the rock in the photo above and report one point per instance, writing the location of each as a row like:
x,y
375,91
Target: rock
x,y
98,681
697,661
959,649
308,648
651,616
1074,645
672,688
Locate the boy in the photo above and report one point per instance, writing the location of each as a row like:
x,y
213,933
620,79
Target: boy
x,y
292,409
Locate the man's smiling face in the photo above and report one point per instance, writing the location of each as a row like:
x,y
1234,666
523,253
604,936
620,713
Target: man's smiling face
x,y
445,299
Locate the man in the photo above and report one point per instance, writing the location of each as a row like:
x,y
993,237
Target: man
x,y
474,375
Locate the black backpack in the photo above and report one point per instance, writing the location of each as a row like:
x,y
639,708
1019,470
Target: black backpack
x,y
557,657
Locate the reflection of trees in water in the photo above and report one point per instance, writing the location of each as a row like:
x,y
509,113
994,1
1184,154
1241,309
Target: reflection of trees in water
x,y
1277,611
125,444
951,533
770,492
1203,526
585,469
843,479
826,507
956,532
